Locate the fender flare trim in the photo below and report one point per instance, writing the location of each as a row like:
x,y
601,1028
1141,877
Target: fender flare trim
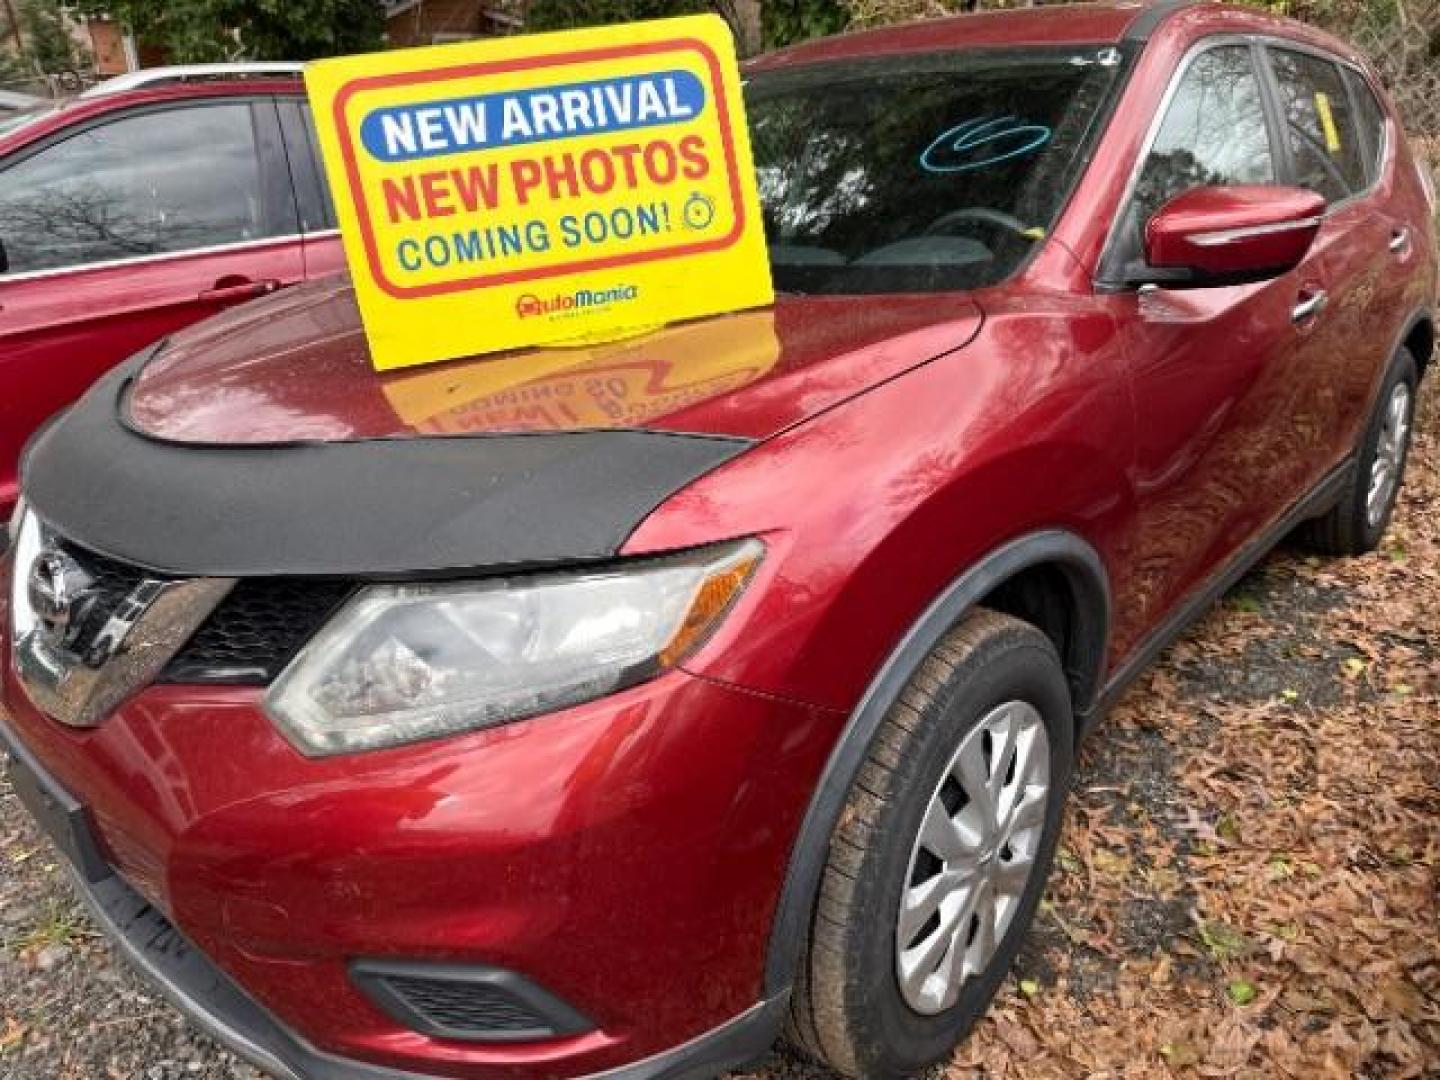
x,y
1421,314
1085,572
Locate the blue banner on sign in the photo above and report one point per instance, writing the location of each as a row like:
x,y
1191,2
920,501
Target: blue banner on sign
x,y
483,121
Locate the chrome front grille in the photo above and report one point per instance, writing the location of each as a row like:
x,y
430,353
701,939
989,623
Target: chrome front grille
x,y
108,585
88,632
244,640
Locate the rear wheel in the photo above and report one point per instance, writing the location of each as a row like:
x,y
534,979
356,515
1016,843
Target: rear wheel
x,y
1355,524
941,854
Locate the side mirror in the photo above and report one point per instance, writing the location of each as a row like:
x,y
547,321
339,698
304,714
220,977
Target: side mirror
x,y
1229,235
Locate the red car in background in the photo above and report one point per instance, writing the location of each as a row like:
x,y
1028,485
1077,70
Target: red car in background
x,y
598,712
145,204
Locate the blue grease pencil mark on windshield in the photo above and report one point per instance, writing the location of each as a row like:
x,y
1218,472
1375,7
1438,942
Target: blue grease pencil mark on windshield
x,y
981,142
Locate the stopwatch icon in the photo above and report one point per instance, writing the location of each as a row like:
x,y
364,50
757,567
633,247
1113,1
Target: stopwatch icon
x,y
699,211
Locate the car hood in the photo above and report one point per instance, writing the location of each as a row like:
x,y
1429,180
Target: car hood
x,y
296,368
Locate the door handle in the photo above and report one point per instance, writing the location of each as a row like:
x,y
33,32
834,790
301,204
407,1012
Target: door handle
x,y
227,290
1309,305
1400,240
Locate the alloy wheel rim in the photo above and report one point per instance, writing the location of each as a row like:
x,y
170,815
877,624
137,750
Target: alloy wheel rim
x,y
1389,455
973,857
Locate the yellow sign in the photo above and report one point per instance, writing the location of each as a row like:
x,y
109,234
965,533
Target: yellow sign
x,y
567,188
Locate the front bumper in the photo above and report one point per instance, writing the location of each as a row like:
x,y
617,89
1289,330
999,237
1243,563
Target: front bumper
x,y
148,941
625,855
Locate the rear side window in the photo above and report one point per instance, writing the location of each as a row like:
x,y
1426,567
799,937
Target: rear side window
x,y
145,184
1213,132
1370,120
1324,139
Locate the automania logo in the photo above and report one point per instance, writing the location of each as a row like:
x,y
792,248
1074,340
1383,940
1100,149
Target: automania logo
x,y
530,305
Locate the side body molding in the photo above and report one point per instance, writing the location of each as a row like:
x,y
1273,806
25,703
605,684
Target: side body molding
x,y
1085,574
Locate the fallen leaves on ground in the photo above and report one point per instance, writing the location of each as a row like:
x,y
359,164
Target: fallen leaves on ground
x,y
1257,829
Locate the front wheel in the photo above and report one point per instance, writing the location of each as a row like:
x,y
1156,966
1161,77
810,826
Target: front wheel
x,y
941,854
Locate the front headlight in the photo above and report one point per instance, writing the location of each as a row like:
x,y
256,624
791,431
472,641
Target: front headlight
x,y
400,663
25,545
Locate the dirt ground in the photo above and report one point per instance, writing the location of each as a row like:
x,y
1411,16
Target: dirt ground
x,y
1247,884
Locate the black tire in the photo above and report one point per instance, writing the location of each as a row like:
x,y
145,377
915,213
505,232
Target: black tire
x,y
1347,528
847,1009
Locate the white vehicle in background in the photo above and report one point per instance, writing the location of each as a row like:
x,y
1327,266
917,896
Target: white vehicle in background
x,y
12,101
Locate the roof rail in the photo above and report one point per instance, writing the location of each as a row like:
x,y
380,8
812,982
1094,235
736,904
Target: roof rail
x,y
1151,16
188,73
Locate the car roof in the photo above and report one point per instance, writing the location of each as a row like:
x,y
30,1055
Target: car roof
x,y
77,109
175,74
1060,24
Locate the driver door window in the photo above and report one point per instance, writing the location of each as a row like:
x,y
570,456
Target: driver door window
x,y
1214,132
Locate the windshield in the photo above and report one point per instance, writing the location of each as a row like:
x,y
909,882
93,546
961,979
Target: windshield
x,y
920,173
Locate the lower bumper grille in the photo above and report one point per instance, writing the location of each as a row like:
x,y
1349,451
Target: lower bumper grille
x,y
476,1004
459,1006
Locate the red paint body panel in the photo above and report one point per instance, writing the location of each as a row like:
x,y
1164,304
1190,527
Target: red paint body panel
x,y
324,256
591,849
860,542
298,367
60,330
627,854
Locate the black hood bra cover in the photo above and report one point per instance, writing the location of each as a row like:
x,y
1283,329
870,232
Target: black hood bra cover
x,y
377,508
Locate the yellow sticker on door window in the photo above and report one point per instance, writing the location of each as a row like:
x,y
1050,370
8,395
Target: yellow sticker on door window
x,y
1327,121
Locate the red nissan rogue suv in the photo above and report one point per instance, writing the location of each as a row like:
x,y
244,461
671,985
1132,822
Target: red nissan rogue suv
x,y
604,711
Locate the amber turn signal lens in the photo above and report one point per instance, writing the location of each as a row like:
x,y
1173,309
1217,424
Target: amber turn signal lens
x,y
712,600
